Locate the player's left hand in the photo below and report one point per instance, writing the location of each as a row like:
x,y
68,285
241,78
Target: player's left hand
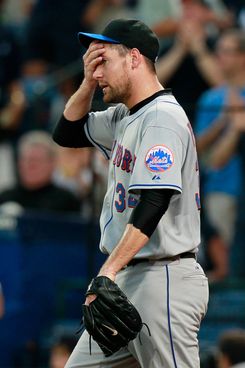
x,y
90,298
112,320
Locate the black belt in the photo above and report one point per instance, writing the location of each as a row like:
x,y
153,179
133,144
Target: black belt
x,y
135,261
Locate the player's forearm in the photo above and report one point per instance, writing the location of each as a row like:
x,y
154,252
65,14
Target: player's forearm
x,y
129,245
80,102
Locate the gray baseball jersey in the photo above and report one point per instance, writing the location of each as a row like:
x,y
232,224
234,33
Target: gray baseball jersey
x,y
151,148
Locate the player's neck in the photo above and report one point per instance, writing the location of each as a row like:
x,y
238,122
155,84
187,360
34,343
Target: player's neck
x,y
143,90
147,100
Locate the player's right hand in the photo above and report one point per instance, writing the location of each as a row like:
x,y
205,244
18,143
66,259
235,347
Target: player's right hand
x,y
92,58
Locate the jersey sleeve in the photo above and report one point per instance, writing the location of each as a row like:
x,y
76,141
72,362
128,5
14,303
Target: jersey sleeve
x,y
158,161
100,128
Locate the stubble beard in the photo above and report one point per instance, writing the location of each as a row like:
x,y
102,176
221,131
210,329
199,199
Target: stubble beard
x,y
120,93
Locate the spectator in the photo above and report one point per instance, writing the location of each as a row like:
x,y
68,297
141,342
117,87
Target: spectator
x,y
165,17
99,12
100,168
27,106
10,56
231,349
36,163
16,14
85,174
190,40
61,351
40,93
233,142
11,114
212,13
51,30
11,100
222,185
44,95
66,82
162,17
188,66
73,170
215,256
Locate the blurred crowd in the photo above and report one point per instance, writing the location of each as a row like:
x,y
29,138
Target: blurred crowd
x,y
202,58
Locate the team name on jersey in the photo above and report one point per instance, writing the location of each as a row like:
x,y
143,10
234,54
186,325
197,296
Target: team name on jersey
x,y
123,158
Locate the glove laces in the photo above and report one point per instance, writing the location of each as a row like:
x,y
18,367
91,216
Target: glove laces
x,y
80,331
148,329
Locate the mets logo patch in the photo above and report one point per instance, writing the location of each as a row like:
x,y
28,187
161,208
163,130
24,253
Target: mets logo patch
x,y
159,159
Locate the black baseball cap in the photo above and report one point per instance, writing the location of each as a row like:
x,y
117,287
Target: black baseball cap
x,y
128,32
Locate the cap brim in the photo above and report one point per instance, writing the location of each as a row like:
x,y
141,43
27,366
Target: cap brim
x,y
86,38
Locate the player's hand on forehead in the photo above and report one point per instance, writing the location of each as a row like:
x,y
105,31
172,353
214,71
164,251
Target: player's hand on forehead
x,y
92,58
94,54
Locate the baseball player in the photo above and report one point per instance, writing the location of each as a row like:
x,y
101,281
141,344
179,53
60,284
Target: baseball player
x,y
150,217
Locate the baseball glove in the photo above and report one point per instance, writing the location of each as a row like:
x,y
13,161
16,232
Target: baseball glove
x,y
111,319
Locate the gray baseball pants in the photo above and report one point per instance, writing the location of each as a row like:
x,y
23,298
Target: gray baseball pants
x,y
172,299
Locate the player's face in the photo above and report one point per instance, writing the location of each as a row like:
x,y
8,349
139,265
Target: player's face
x,y
112,76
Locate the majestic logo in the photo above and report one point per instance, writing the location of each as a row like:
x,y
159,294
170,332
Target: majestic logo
x,y
159,159
156,177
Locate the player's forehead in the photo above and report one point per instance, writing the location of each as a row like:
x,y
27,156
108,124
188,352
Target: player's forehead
x,y
115,50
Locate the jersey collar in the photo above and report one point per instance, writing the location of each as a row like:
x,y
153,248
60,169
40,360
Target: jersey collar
x,y
140,104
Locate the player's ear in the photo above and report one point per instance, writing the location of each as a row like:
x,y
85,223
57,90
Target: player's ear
x,y
136,58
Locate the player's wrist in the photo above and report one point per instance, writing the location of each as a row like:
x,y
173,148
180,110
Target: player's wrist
x,y
108,272
88,86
